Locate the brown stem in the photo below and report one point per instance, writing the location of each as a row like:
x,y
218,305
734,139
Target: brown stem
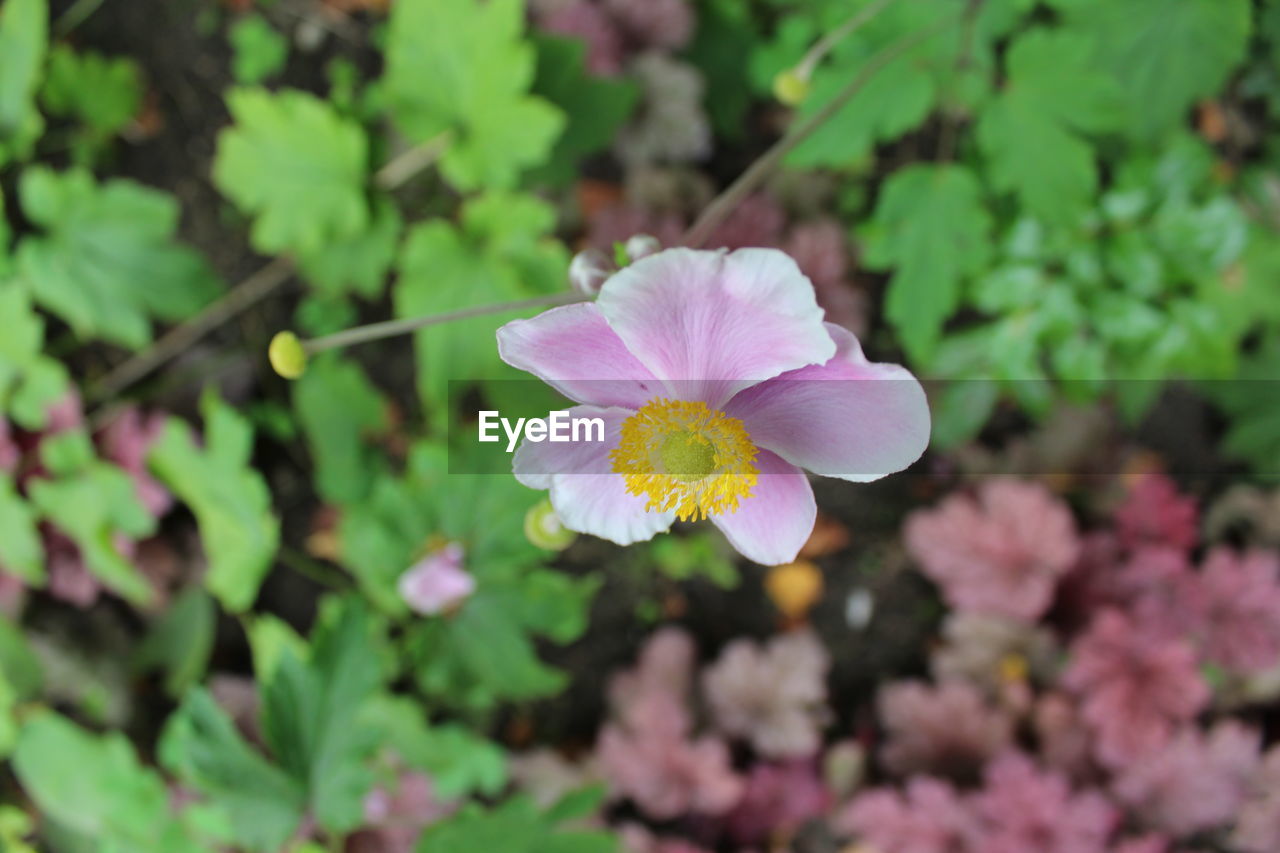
x,y
392,328
253,289
720,208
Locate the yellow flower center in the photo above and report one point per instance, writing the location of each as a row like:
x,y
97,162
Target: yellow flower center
x,y
685,456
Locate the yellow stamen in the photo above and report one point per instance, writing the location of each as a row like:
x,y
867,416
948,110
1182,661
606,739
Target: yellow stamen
x,y
687,457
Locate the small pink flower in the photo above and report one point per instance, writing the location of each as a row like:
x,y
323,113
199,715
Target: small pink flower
x,y
1241,601
717,382
126,440
10,453
1155,512
655,23
1136,684
928,817
947,730
1001,554
1196,782
586,21
778,800
774,696
1258,826
648,753
437,582
395,817
1022,808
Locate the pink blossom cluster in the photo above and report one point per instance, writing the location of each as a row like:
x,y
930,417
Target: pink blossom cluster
x,y
124,441
614,30
1080,700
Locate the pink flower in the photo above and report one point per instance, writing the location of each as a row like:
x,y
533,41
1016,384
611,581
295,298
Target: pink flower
x,y
655,23
928,818
773,696
396,817
1000,555
586,21
1136,684
717,382
10,453
1258,826
1156,513
779,799
948,729
821,250
1195,782
437,582
648,753
126,440
756,222
1241,600
1022,809
651,759
1065,741
665,666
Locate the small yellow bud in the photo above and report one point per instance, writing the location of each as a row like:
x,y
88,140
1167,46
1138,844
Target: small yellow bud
x,y
287,356
543,528
794,588
790,87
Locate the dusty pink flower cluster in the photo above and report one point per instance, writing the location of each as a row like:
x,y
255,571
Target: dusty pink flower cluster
x,y
124,442
614,30
1085,697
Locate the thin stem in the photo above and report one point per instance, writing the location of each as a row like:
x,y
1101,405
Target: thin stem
x,y
723,204
393,328
253,289
410,162
76,14
181,337
824,45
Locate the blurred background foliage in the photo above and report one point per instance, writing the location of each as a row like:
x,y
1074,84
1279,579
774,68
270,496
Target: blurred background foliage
x,y
1030,200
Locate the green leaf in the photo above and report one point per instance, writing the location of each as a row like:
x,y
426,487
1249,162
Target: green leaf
x,y
501,252
202,747
257,50
595,108
514,826
94,786
297,166
230,500
459,761
107,262
462,67
180,641
92,506
23,38
21,552
311,716
1030,133
102,93
341,412
1164,55
30,382
357,264
932,228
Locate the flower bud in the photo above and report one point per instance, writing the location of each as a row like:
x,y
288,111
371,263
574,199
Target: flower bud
x,y
642,246
543,528
588,271
287,356
790,87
